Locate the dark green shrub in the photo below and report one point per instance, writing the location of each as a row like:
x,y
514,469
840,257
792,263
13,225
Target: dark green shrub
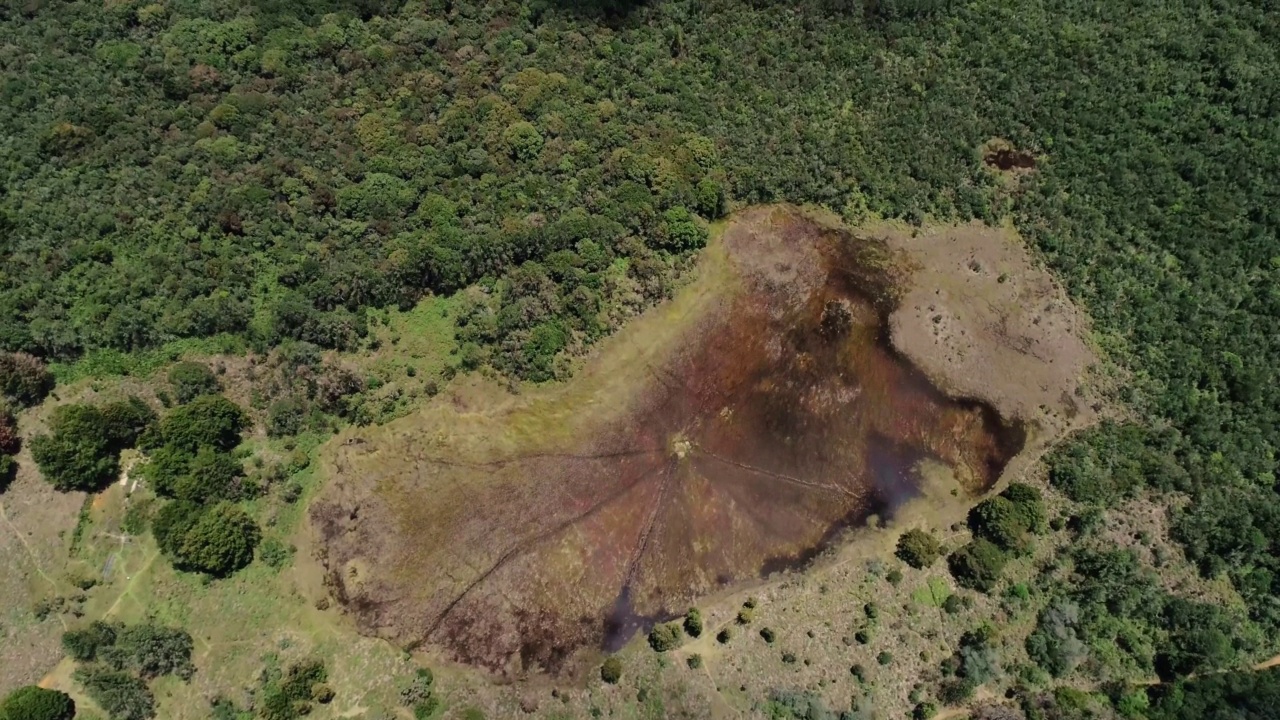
x,y
8,471
24,378
211,475
768,634
83,645
724,636
694,661
36,703
78,455
611,670
171,524
190,380
286,417
664,637
123,696
155,650
220,541
918,548
884,658
125,421
693,622
978,565
209,420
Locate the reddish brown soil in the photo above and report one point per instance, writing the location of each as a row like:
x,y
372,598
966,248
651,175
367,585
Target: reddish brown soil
x,y
776,416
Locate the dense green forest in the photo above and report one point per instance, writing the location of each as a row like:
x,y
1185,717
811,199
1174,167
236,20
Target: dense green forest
x,y
271,171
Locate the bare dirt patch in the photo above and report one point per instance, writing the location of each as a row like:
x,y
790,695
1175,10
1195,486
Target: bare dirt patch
x,y
983,320
728,433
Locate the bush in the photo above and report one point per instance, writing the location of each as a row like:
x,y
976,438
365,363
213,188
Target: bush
x,y
78,455
190,380
210,476
220,541
664,637
285,417
8,471
1054,643
171,524
122,695
693,622
291,696
724,636
978,565
918,548
209,420
611,670
10,440
155,650
36,703
768,635
24,378
885,657
83,645
125,421
694,661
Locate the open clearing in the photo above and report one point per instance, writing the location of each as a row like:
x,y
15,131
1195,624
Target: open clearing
x,y
728,433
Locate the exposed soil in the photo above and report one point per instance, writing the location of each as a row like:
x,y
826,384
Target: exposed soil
x,y
732,432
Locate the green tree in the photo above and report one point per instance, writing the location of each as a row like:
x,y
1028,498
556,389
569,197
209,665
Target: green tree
x,y
77,455
693,622
36,703
172,523
210,420
154,650
190,380
83,645
126,420
210,475
664,637
122,695
918,548
978,565
219,542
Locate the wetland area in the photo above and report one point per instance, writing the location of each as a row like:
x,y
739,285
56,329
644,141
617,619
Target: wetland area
x,y
736,430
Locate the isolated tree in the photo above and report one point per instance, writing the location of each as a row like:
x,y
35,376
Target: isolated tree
x,y
190,380
219,542
36,703
24,378
918,548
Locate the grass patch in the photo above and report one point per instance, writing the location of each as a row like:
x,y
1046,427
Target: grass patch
x,y
143,363
933,594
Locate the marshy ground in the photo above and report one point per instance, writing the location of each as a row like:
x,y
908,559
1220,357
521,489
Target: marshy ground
x,y
732,432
